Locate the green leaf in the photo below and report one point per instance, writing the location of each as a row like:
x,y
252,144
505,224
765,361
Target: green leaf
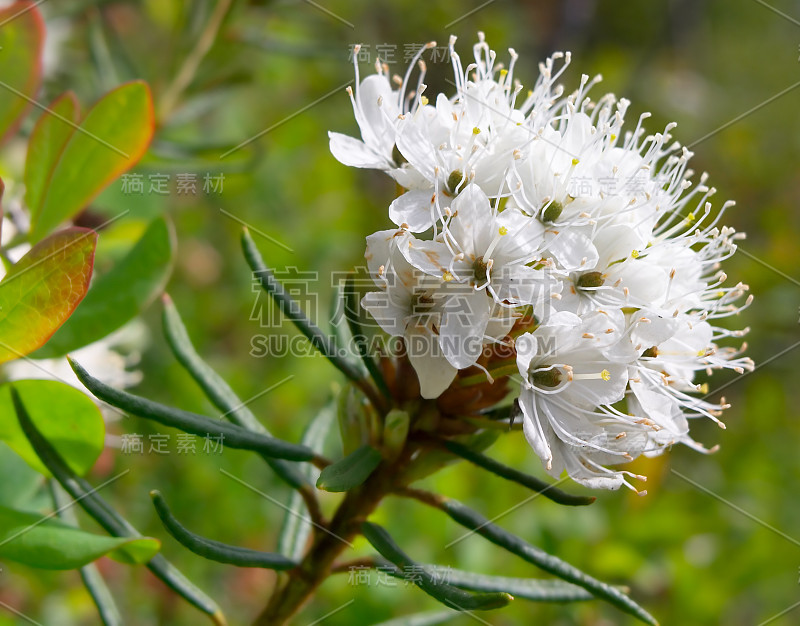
x,y
219,392
215,550
20,483
322,342
476,522
212,384
25,538
509,473
296,527
350,471
414,572
435,459
47,140
395,432
92,579
528,588
232,436
90,501
68,418
112,137
350,413
119,295
422,619
101,595
21,45
40,292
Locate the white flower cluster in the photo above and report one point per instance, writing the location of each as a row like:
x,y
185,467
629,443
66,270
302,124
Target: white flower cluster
x,y
621,276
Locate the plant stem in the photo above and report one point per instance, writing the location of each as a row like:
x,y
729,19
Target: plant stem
x,y
191,64
290,596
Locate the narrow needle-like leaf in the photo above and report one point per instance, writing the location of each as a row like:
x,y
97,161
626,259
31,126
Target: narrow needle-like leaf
x,y
218,391
413,572
92,578
215,550
91,502
232,435
322,342
477,523
509,473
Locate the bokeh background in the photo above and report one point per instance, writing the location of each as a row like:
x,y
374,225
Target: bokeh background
x,y
723,551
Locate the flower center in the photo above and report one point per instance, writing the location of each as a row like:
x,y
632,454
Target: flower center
x,y
590,279
455,179
651,352
545,378
481,269
551,213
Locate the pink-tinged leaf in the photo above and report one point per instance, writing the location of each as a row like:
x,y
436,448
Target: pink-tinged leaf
x,y
42,290
21,44
110,140
46,143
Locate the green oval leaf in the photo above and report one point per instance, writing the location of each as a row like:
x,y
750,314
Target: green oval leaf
x,y
40,292
68,418
47,140
350,471
90,501
46,543
119,295
111,139
20,482
21,44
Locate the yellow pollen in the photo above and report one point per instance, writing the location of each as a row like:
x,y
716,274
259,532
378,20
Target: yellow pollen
x,y
575,161
635,254
503,72
447,277
530,92
703,388
613,137
690,218
701,352
605,375
503,230
476,131
423,100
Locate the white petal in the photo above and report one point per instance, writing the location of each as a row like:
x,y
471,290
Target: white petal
x,y
574,251
433,370
431,257
355,153
464,319
414,210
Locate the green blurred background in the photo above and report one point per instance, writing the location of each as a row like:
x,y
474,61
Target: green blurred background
x,y
688,556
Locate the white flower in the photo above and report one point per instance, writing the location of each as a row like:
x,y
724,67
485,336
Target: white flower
x,y
550,222
486,249
443,323
568,388
378,108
